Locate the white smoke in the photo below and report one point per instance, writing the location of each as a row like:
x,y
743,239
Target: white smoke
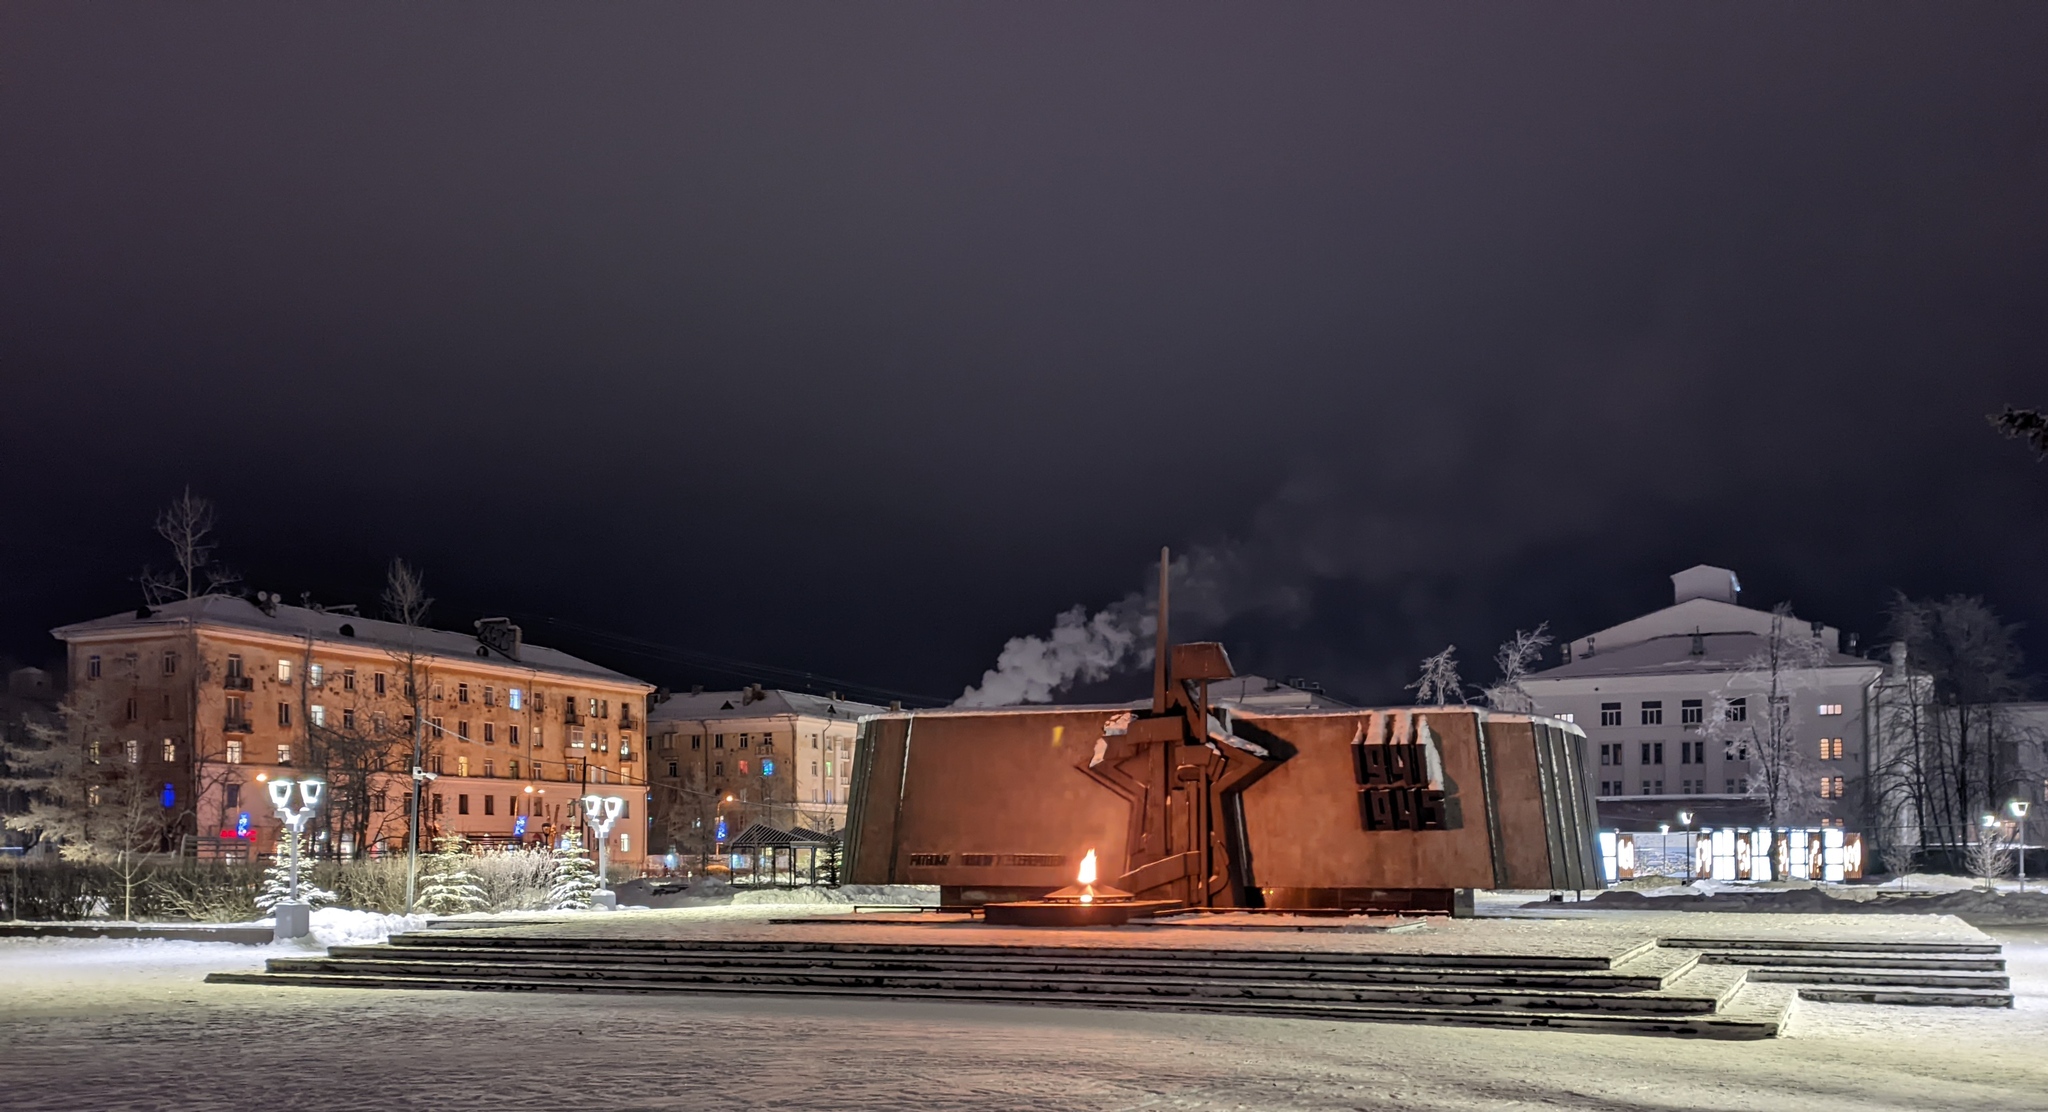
x,y
1081,648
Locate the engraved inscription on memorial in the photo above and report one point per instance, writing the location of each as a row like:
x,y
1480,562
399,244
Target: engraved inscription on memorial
x,y
1395,791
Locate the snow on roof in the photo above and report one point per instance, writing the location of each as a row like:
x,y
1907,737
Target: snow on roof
x,y
768,703
331,626
1673,655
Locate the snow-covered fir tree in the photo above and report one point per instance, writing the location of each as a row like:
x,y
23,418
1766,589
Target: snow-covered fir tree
x,y
277,879
575,877
452,887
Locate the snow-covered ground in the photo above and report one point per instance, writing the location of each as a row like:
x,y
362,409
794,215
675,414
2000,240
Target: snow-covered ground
x,y
109,1024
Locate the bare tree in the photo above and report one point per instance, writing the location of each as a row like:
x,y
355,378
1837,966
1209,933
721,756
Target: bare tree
x,y
187,526
1439,684
1515,658
1755,715
2030,425
406,603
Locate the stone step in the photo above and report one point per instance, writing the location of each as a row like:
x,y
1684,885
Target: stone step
x,y
1701,990
1524,961
1816,959
1651,970
1754,1019
1931,998
1859,946
1895,978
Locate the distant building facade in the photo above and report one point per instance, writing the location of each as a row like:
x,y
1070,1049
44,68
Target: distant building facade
x,y
217,696
725,760
1645,692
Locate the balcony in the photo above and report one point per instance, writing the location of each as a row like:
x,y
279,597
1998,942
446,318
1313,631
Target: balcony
x,y
238,683
570,717
235,726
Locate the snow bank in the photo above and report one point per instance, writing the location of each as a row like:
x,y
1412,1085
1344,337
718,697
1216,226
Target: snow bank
x,y
900,894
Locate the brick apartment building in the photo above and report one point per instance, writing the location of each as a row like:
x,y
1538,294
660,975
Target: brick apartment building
x,y
216,696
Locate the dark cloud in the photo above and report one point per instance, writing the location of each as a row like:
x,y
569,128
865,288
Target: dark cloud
x,y
861,339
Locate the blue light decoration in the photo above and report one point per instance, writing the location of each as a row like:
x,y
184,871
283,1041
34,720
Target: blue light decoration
x,y
242,825
767,767
519,827
669,859
721,828
170,796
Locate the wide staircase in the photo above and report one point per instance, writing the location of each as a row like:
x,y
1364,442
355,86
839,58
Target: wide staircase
x,y
1647,989
1941,974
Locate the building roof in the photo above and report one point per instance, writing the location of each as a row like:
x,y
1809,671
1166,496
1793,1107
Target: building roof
x,y
767,702
760,835
1673,655
1262,694
333,627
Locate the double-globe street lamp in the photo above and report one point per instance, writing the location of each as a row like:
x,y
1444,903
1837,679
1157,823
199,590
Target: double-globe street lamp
x,y
602,811
294,919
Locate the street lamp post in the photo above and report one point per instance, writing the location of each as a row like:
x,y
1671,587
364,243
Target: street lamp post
x,y
294,919
602,811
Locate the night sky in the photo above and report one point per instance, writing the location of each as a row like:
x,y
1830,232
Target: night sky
x,y
861,338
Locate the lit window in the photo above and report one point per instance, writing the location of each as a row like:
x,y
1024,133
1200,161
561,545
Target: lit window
x,y
1830,708
170,750
1566,717
284,671
743,766
317,714
313,674
767,767
133,749
235,751
284,754
462,766
625,841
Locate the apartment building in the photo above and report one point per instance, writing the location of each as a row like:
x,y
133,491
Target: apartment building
x,y
218,696
1645,690
723,760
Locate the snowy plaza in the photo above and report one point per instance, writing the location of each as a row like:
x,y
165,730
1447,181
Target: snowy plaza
x,y
115,1024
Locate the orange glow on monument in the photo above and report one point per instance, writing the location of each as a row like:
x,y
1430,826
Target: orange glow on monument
x,y
1085,879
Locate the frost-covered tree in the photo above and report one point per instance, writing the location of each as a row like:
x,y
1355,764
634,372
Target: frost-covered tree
x,y
1439,684
1756,717
451,882
277,879
187,526
575,877
88,794
1515,658
2030,425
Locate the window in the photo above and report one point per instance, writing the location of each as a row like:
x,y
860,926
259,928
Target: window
x,y
235,666
379,801
1831,787
235,712
717,741
284,714
1692,752
490,768
604,775
1653,713
672,769
1691,712
767,741
170,750
512,698
133,750
435,724
461,730
170,662
625,841
437,690
1831,749
743,766
438,808
576,737
1609,754
490,734
92,796
1566,717
512,769
1738,710
490,805
1653,752
462,693
133,712
718,768
814,741
314,674
1829,709
696,741
490,698
348,679
284,671
462,769
348,718
743,741
284,754
536,737
377,682
512,735
235,751
317,715
92,667
768,767
234,795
